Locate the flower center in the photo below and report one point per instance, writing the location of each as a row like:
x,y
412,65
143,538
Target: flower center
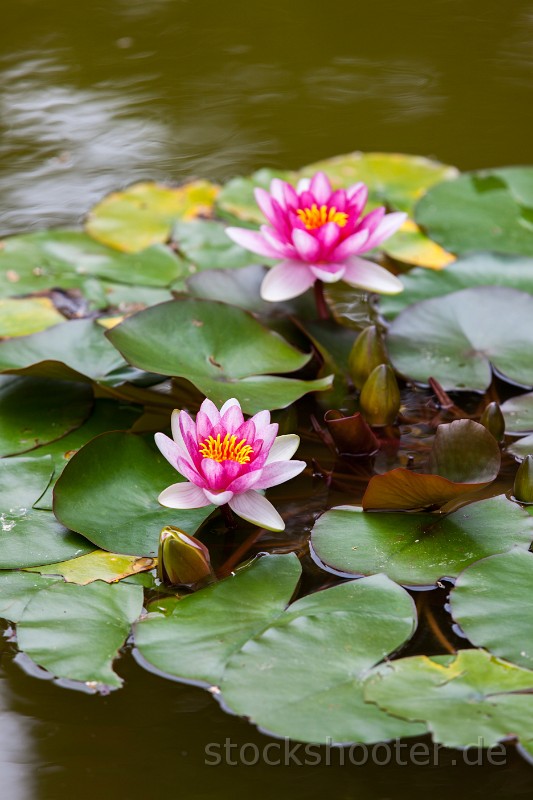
x,y
226,449
315,217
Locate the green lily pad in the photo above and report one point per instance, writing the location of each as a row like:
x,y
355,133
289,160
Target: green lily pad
x,y
466,700
335,636
107,415
48,259
418,549
75,632
394,179
76,350
28,537
132,298
486,210
457,338
108,492
478,269
223,351
492,603
518,414
237,201
16,591
522,448
36,411
144,213
20,316
410,245
205,245
97,566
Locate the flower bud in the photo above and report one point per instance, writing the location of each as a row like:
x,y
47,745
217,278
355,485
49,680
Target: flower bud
x,y
380,397
352,435
492,419
523,482
367,353
182,559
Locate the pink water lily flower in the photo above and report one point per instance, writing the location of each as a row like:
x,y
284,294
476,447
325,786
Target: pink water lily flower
x,y
228,460
319,234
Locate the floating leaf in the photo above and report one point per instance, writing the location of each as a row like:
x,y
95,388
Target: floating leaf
x,y
351,435
485,210
22,315
466,700
418,549
464,457
28,537
411,246
492,603
17,589
478,269
302,676
518,414
522,448
107,415
76,350
108,492
237,200
97,566
35,411
144,213
75,632
394,179
455,339
205,244
221,365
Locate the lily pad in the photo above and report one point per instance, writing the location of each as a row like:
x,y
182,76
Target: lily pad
x,y
237,201
20,316
223,351
97,566
522,448
205,245
518,414
465,700
464,457
418,549
16,591
394,179
144,213
36,411
28,537
410,245
75,632
457,338
492,603
108,492
107,415
338,634
478,269
76,350
486,210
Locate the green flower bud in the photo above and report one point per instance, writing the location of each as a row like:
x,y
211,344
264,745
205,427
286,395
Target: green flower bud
x,y
367,353
182,559
492,419
523,482
380,397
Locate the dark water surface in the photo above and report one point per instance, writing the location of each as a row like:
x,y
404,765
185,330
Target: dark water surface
x,y
97,95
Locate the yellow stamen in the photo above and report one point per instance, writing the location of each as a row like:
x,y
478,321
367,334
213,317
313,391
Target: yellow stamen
x,y
226,449
315,217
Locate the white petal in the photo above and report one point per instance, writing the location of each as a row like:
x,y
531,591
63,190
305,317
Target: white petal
x,y
283,448
176,431
169,449
365,274
303,185
255,508
286,280
279,472
326,276
183,495
218,498
228,404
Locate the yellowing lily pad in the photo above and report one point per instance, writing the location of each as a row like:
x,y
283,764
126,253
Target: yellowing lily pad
x,y
97,566
20,316
144,214
411,246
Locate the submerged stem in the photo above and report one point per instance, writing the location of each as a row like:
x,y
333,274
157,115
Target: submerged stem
x,y
320,300
229,519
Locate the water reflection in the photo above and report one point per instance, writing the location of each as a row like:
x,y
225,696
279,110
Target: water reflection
x,y
17,759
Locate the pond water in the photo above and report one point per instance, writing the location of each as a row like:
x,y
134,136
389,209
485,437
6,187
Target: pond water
x,y
94,96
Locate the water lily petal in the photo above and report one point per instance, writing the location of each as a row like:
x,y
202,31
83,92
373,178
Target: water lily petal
x,y
283,448
286,280
255,508
176,431
218,498
189,470
252,240
232,419
388,225
365,274
371,221
168,448
303,185
321,188
183,495
245,482
356,243
307,246
216,475
329,273
328,236
231,402
207,418
279,472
